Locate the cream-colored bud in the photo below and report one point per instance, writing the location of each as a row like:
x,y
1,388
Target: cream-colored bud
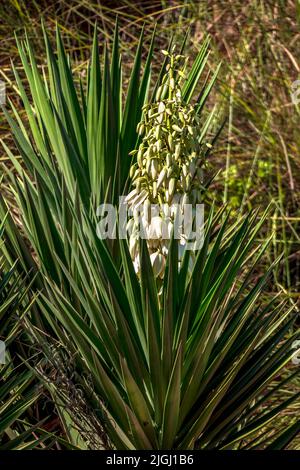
x,y
154,169
183,183
176,128
190,129
136,174
132,171
155,228
169,159
164,90
133,245
129,226
154,189
161,178
147,209
157,132
158,93
160,118
170,172
158,263
140,179
161,107
130,196
170,142
181,117
140,157
141,129
177,151
138,199
172,185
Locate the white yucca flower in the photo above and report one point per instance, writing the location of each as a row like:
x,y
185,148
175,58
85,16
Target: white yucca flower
x,y
168,172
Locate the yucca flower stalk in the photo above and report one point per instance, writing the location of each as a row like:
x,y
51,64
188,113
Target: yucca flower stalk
x,y
168,171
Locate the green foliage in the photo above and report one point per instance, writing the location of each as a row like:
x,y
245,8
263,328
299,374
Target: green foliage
x,y
194,370
191,373
76,153
17,393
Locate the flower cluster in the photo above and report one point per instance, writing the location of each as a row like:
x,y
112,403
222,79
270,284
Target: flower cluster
x,y
169,161
170,158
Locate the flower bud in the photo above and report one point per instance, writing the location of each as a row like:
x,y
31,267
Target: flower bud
x,y
132,171
190,129
158,263
140,157
161,107
177,151
157,132
170,172
172,185
158,93
161,178
154,169
170,142
154,189
188,181
141,129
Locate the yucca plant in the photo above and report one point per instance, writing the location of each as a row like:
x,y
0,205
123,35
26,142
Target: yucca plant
x,y
17,390
191,366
